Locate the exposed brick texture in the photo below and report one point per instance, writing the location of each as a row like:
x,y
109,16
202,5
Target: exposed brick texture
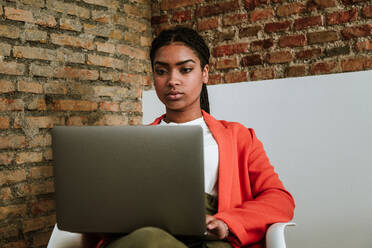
x,y
62,63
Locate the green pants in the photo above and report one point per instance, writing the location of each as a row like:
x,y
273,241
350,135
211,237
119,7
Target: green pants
x,y
152,237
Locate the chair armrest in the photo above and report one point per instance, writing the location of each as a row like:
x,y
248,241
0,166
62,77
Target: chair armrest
x,y
275,235
63,239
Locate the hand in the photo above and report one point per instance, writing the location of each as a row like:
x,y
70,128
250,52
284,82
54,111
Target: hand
x,y
216,228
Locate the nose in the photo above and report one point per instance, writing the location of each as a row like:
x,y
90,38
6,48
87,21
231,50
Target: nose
x,y
173,79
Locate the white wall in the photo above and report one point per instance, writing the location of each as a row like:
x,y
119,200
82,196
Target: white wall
x,y
317,132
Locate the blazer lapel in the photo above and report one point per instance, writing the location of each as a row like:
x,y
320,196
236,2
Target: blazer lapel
x,y
224,141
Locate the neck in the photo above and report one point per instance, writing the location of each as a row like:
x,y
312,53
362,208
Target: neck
x,y
182,116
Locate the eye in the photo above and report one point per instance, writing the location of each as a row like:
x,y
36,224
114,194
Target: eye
x,y
160,71
186,69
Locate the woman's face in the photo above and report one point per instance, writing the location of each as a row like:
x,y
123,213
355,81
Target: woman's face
x,y
178,77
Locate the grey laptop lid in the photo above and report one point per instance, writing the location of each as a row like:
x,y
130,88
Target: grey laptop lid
x,y
118,179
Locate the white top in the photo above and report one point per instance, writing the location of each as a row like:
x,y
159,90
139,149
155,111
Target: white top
x,y
210,154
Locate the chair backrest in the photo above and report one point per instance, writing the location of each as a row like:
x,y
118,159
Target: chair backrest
x,y
317,133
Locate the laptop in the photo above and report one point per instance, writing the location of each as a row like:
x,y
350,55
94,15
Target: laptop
x,y
116,179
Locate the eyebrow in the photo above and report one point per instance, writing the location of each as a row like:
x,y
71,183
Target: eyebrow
x,y
178,63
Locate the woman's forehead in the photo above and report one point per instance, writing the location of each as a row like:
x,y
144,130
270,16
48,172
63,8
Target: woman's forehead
x,y
175,52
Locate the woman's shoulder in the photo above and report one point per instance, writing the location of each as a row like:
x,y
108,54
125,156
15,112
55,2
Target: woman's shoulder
x,y
237,127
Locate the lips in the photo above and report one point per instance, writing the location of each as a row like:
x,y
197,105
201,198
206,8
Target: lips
x,y
174,95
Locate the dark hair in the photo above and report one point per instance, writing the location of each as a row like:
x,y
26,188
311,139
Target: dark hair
x,y
194,41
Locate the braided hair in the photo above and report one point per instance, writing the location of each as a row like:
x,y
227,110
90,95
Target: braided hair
x,y
195,42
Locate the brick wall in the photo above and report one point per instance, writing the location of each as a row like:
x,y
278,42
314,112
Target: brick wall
x,y
264,39
61,63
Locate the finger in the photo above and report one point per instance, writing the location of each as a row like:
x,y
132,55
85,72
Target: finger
x,y
212,224
209,218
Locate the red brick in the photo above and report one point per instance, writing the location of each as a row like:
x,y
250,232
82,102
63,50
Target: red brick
x,y
8,231
322,37
109,106
216,9
6,86
296,71
309,54
261,14
230,49
367,11
70,24
357,31
251,60
156,20
5,49
111,120
13,211
135,11
249,31
323,67
11,104
18,15
290,9
12,141
36,35
132,38
29,157
12,68
73,105
8,31
207,24
182,16
173,4
277,26
37,104
235,19
6,158
236,76
363,46
30,87
41,172
325,3
135,120
5,195
262,74
55,88
34,122
46,20
105,47
279,57
39,188
34,3
12,176
106,62
342,17
130,22
4,122
73,73
69,8
131,106
292,41
77,121
214,79
66,40
227,64
40,140
38,223
353,64
261,44
308,22
34,53
132,51
105,3
252,4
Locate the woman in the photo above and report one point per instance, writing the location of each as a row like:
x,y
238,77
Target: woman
x,y
243,193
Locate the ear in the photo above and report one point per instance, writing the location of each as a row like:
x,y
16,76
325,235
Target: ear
x,y
205,74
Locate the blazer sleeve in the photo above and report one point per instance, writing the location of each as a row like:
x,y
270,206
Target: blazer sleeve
x,y
270,202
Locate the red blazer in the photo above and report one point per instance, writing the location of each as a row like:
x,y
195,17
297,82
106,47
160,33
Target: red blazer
x,y
250,194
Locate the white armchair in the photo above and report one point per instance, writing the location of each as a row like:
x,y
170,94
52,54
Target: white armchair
x,y
61,239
